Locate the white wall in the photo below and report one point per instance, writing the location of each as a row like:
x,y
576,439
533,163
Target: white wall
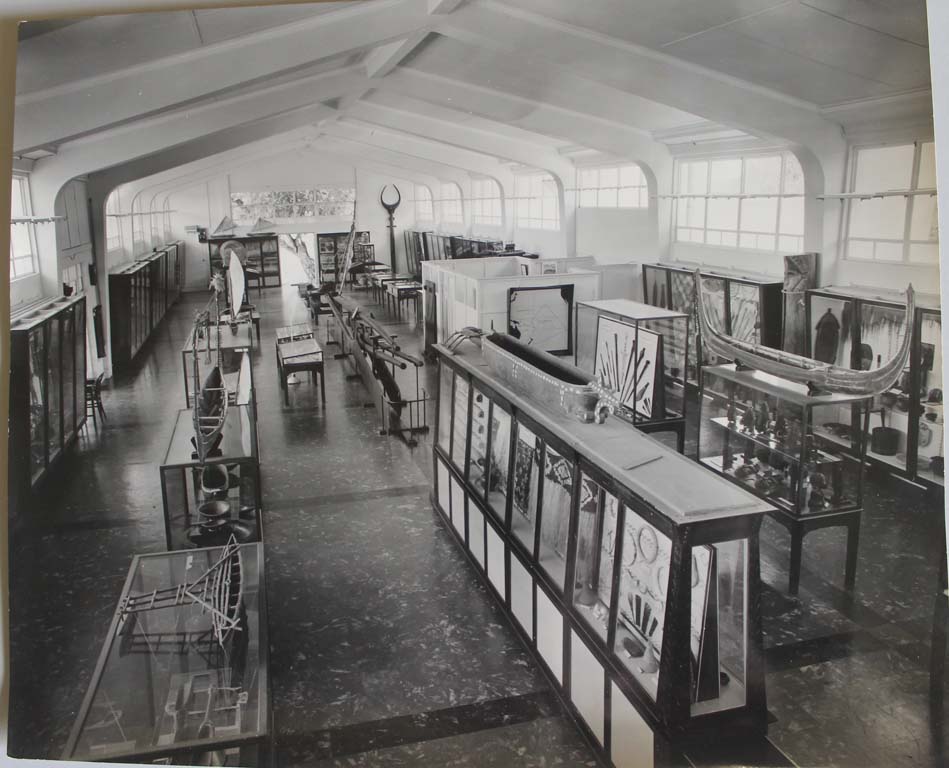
x,y
548,243
618,235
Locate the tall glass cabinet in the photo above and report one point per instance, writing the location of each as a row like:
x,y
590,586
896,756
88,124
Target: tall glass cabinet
x,y
47,390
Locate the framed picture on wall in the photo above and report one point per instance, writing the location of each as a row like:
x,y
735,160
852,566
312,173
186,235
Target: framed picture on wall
x,y
542,316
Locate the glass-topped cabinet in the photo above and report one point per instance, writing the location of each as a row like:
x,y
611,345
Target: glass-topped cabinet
x,y
641,353
748,307
928,415
862,329
779,441
617,559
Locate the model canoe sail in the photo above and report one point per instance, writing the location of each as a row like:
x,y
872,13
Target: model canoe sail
x,y
818,376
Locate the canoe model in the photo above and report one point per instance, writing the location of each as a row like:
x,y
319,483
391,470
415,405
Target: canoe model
x,y
820,378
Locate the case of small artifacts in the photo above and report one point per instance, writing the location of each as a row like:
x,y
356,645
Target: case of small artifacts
x,y
765,434
207,502
183,675
47,390
631,572
862,328
640,352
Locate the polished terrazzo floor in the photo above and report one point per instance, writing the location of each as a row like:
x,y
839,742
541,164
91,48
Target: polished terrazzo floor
x,y
386,648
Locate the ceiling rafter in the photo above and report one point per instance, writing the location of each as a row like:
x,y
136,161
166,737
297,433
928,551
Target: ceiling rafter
x,y
57,114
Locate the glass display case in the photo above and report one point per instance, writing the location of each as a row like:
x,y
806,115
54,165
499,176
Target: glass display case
x,y
767,435
206,504
234,344
748,307
331,247
642,353
140,294
625,566
927,415
261,253
862,328
176,683
47,390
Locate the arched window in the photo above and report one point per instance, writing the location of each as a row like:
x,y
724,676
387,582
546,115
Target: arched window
x,y
486,203
113,223
451,204
424,210
538,205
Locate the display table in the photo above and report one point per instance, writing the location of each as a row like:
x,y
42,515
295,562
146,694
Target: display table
x,y
770,436
642,352
165,687
232,344
184,491
400,291
298,351
630,572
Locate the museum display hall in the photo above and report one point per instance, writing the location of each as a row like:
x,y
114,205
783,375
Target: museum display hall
x,y
466,383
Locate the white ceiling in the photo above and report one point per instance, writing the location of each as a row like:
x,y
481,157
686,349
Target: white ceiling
x,y
524,80
97,46
823,51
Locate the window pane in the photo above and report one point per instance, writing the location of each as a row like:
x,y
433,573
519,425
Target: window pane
x,y
925,222
922,253
883,168
609,177
16,199
695,212
723,213
792,216
693,178
762,175
878,218
888,251
607,198
20,240
759,214
860,249
629,198
630,176
588,198
725,177
730,238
